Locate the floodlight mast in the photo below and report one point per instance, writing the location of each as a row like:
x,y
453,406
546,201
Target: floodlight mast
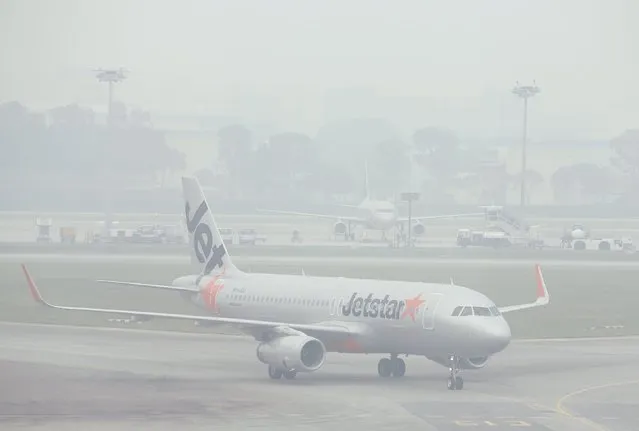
x,y
524,92
111,76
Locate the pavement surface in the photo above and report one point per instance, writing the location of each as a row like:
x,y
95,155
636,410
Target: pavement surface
x,y
336,249
21,227
57,377
587,298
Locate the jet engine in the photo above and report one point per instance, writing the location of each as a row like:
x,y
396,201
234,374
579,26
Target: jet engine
x,y
418,229
339,228
297,352
464,363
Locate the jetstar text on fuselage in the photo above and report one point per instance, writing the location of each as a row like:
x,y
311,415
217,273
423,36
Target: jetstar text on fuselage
x,y
369,306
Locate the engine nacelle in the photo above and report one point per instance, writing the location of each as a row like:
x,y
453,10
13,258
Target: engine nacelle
x,y
339,228
464,363
297,352
418,229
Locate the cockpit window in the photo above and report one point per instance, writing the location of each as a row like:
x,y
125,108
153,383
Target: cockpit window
x,y
467,311
481,311
457,310
495,311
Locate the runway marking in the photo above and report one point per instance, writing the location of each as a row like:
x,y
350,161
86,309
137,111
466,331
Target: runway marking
x,y
491,423
559,407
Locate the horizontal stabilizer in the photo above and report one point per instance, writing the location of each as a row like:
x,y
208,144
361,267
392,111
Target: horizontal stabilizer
x,y
153,286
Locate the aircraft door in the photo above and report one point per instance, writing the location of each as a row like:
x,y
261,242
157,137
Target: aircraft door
x,y
429,308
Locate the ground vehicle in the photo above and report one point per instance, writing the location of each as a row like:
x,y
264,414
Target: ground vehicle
x,y
250,236
494,238
67,234
227,234
604,244
44,230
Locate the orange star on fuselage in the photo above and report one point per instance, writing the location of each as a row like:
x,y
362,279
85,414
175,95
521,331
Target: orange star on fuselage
x,y
411,306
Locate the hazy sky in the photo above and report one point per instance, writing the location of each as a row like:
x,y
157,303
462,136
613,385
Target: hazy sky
x,y
189,55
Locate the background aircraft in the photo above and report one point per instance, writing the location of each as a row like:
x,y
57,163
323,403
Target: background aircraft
x,y
376,215
298,319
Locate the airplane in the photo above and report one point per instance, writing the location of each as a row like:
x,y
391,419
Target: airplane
x,y
378,215
298,319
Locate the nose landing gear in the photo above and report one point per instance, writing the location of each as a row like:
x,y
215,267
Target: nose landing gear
x,y
455,382
394,366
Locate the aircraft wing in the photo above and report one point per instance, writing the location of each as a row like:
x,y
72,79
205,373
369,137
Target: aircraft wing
x,y
325,216
543,297
153,286
328,328
420,218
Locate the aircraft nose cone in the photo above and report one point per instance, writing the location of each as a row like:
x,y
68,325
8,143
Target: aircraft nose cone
x,y
499,336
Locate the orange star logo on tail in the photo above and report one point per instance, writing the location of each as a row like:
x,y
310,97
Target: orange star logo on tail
x,y
411,306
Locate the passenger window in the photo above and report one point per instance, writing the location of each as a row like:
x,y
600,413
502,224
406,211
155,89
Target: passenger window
x,y
467,311
457,310
481,311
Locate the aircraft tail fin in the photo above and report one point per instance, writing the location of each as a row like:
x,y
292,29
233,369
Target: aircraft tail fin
x,y
208,252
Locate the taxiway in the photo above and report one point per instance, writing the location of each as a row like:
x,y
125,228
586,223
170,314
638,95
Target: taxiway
x,y
57,377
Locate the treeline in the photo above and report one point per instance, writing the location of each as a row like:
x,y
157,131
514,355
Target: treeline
x,y
68,149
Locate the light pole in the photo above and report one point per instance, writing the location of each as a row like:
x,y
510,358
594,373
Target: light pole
x,y
525,92
410,197
111,76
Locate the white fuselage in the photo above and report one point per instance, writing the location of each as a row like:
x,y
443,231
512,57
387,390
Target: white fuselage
x,y
385,309
381,215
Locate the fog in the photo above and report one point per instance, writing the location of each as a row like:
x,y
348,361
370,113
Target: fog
x,y
299,66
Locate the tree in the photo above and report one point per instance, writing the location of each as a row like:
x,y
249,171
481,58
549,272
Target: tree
x,y
626,147
532,180
438,154
285,163
392,167
582,183
72,116
347,144
235,151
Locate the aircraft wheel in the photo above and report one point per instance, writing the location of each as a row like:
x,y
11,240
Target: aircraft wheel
x,y
290,374
274,373
399,367
455,384
451,384
384,367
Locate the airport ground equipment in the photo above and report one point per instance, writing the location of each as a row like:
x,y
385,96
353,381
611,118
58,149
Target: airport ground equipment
x,y
624,244
250,236
43,226
228,235
67,235
502,229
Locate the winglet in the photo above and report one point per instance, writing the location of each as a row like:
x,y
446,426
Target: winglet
x,y
543,297
35,293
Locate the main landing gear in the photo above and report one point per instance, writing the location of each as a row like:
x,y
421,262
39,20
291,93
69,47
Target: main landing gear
x,y
394,366
455,382
277,373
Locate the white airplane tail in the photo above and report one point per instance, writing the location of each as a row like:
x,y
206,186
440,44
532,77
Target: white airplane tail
x,y
208,252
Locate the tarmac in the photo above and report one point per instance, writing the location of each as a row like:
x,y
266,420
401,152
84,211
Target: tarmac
x,y
57,377
21,227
